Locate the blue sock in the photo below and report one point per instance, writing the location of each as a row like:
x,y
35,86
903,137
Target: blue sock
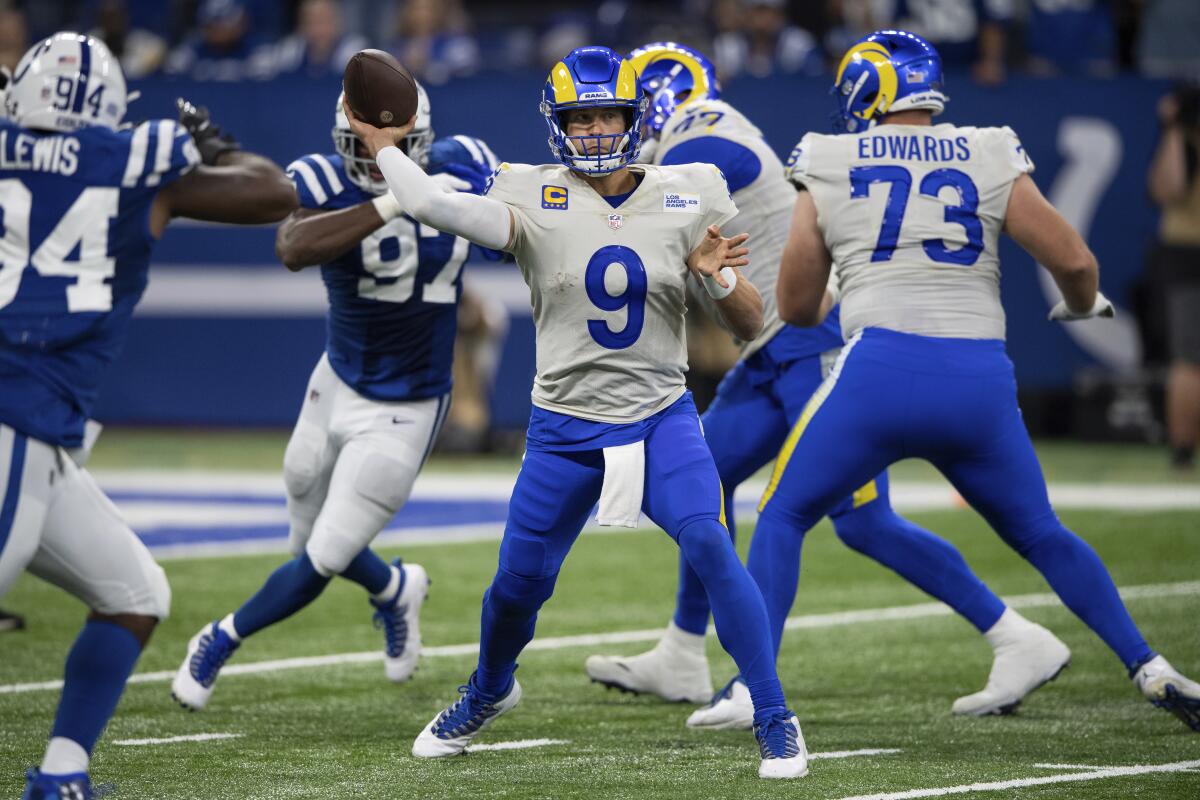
x,y
927,561
691,601
289,589
510,609
738,611
1080,579
774,563
98,665
370,571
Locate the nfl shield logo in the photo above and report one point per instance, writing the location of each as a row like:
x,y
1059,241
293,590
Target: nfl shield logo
x,y
615,221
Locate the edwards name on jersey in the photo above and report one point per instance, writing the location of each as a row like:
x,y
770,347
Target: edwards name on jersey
x,y
914,240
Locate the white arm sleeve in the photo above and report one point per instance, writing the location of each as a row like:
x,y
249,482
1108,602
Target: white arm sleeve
x,y
483,220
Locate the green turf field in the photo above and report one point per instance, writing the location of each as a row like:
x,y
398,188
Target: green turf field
x,y
342,731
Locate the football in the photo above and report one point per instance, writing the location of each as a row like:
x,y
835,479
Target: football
x,y
379,89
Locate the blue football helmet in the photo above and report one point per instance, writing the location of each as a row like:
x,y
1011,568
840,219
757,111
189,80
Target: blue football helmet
x,y
883,73
672,74
594,77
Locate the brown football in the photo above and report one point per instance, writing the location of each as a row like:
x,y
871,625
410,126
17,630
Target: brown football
x,y
379,89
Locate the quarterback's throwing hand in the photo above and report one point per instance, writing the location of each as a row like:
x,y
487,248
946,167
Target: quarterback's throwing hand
x,y
1103,307
715,252
375,139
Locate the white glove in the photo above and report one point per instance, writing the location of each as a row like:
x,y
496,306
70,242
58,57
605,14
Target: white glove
x,y
1103,307
449,183
388,206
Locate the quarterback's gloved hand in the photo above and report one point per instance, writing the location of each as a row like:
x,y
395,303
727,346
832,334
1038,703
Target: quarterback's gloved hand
x,y
1103,307
209,138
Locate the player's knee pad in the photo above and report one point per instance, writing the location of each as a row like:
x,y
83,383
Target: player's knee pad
x,y
151,597
385,480
518,594
303,461
856,527
705,538
330,553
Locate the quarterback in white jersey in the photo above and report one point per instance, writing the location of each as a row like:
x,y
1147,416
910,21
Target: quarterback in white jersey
x,y
607,250
911,213
760,399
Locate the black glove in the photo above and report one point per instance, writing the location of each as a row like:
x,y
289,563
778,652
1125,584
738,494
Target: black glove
x,y
210,141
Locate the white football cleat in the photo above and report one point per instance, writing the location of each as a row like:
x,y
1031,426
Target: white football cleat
x,y
1026,656
781,745
729,709
449,733
206,654
675,670
1163,686
400,621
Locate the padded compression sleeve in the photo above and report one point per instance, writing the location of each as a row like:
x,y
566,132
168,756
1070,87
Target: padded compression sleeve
x,y
483,220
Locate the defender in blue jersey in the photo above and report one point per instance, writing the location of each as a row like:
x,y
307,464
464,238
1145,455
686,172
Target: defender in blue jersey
x,y
377,397
920,282
83,202
761,399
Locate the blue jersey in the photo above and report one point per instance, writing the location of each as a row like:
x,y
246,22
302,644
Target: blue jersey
x,y
73,261
393,298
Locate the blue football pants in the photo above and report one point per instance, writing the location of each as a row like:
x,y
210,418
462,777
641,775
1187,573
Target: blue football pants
x,y
951,402
756,405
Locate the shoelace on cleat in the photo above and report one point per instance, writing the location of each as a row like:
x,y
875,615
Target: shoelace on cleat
x,y
726,691
395,627
777,737
210,656
464,717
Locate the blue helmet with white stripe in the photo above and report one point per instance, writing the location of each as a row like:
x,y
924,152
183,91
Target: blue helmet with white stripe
x,y
67,82
360,167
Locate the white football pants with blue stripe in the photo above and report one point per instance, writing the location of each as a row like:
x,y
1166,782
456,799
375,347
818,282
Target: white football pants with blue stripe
x,y
55,522
350,465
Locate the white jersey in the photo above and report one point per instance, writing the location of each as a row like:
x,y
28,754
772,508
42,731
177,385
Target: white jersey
x,y
763,195
912,216
607,284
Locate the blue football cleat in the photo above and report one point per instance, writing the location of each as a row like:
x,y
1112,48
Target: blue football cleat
x,y
400,622
75,786
452,730
781,745
206,654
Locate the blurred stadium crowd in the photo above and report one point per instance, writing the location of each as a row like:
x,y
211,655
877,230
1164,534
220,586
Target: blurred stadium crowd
x,y
226,40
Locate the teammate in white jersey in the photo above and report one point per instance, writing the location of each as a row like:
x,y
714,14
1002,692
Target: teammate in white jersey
x,y
606,249
911,214
758,402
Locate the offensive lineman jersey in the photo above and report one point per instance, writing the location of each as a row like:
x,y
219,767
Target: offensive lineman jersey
x,y
393,299
912,216
608,285
73,261
714,132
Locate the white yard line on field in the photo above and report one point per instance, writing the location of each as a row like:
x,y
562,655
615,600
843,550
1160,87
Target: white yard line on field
x,y
1020,783
192,737
891,613
519,744
870,751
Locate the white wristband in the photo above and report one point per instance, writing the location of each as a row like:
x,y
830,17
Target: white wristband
x,y
388,206
715,290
